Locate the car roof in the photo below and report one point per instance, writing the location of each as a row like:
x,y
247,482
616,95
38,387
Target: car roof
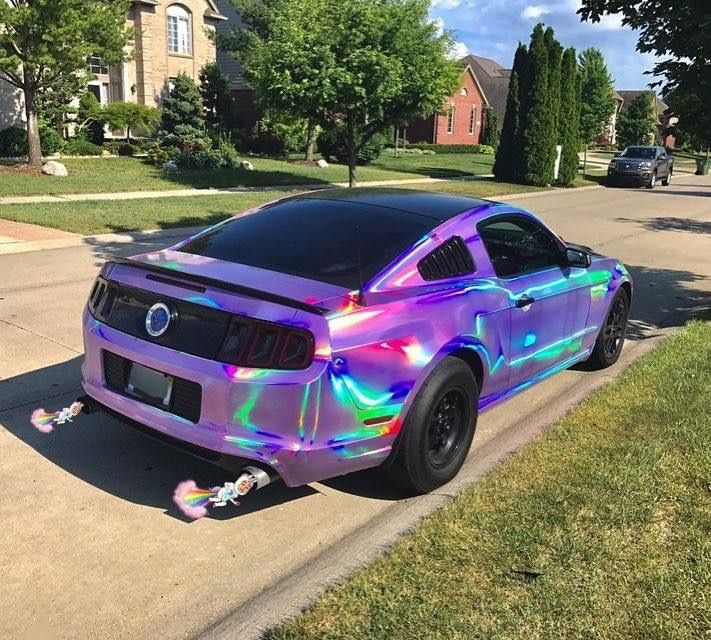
x,y
437,206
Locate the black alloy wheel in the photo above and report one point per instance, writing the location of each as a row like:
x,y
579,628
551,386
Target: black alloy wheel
x,y
446,426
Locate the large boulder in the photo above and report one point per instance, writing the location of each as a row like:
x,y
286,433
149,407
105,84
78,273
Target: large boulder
x,y
54,168
246,165
322,164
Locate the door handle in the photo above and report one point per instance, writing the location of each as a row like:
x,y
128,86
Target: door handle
x,y
524,301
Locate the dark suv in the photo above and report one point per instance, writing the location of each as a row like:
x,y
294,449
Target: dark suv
x,y
642,166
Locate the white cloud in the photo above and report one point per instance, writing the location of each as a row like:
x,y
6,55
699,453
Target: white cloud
x,y
610,22
534,11
439,24
458,50
446,4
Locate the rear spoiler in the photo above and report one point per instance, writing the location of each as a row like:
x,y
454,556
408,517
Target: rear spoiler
x,y
174,277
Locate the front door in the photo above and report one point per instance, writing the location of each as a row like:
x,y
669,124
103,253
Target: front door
x,y
548,300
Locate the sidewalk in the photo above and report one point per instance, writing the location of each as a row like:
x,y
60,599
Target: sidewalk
x,y
184,193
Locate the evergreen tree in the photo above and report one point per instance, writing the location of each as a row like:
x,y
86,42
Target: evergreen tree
x,y
569,133
507,163
555,52
490,134
182,108
636,124
536,133
216,98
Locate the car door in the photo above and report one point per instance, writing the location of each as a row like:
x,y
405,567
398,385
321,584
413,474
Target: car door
x,y
549,301
662,163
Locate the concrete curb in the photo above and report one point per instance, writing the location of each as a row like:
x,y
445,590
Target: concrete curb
x,y
289,596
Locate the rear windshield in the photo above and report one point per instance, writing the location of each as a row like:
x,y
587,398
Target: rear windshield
x,y
639,152
316,239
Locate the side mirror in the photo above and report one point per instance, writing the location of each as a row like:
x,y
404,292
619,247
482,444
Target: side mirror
x,y
575,258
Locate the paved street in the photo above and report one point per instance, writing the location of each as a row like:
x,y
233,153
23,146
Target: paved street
x,y
92,545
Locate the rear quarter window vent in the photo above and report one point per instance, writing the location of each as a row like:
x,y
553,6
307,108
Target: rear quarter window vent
x,y
450,260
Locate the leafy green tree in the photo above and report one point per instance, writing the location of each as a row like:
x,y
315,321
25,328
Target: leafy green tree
x,y
131,116
569,133
182,109
90,119
44,42
507,165
368,65
636,125
536,134
490,134
219,105
694,128
55,104
597,97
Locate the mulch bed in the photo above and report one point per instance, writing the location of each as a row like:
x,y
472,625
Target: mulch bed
x,y
23,169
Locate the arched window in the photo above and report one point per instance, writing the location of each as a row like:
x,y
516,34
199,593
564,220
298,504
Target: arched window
x,y
464,92
180,30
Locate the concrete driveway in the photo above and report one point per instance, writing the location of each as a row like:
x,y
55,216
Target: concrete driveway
x,y
92,545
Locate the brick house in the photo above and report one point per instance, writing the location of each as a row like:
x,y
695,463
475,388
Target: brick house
x,y
461,119
172,37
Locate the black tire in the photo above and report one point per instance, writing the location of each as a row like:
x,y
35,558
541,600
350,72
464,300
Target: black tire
x,y
667,181
438,430
652,181
611,338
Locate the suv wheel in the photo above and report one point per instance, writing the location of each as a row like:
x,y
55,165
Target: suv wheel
x,y
667,181
652,181
438,430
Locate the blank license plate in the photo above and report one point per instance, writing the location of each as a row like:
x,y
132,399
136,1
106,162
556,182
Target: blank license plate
x,y
149,385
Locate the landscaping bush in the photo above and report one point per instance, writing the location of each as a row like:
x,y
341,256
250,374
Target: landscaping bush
x,y
263,144
13,142
158,155
455,148
81,147
50,140
332,144
127,149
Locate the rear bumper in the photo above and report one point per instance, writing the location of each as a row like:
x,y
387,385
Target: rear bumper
x,y
293,422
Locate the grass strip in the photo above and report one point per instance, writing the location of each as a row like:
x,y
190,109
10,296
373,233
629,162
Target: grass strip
x,y
161,213
599,529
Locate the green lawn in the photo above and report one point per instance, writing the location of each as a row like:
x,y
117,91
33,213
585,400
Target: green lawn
x,y
131,215
135,215
134,174
600,529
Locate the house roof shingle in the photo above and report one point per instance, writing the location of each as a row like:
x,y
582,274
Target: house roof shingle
x,y
494,81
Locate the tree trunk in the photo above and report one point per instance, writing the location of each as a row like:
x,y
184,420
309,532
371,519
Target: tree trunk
x,y
352,153
310,140
34,155
585,161
397,141
128,135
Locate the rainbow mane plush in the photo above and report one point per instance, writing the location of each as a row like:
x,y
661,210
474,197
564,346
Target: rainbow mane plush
x,y
192,500
45,422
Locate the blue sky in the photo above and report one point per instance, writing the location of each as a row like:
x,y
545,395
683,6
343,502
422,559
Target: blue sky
x,y
493,28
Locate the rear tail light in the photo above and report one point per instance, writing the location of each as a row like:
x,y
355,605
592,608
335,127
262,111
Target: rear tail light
x,y
264,345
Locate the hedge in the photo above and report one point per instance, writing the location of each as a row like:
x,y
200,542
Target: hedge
x,y
453,148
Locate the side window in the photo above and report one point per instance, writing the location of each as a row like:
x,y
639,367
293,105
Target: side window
x,y
518,245
451,259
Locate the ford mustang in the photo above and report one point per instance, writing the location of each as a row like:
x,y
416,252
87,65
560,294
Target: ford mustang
x,y
338,330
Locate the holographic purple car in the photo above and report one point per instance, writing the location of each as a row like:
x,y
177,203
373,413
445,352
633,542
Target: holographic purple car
x,y
338,330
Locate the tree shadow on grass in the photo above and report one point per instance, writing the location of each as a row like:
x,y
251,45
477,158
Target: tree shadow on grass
x,y
235,178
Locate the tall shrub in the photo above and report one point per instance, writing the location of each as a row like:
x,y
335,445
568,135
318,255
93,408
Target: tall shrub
x,y
636,125
555,53
537,130
569,133
507,163
490,134
182,108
